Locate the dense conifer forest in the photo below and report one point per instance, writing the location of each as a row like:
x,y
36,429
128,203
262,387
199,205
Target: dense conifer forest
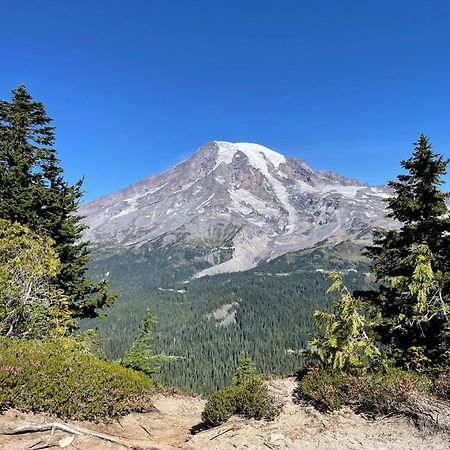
x,y
273,308
366,326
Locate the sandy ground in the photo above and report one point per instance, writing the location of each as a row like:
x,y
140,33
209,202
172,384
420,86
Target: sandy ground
x,y
169,425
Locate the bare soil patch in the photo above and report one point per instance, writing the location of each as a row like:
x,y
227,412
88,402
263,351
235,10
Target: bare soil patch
x,y
169,427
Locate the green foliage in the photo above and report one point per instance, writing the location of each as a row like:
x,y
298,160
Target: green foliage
x,y
248,396
56,377
33,192
272,331
250,400
30,305
141,357
220,407
423,303
412,265
380,393
347,341
246,370
253,400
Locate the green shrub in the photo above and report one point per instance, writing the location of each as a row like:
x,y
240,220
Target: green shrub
x,y
56,377
220,407
254,400
248,396
324,389
377,393
251,399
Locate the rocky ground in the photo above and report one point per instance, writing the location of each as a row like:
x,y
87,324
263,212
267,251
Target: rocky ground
x,y
171,423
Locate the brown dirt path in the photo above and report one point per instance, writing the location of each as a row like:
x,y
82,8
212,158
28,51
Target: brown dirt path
x,y
297,428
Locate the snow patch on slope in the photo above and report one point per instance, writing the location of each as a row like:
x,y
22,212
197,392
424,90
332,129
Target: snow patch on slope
x,y
242,197
259,157
245,255
132,203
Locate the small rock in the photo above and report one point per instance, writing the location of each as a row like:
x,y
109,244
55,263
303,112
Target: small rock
x,y
276,437
65,442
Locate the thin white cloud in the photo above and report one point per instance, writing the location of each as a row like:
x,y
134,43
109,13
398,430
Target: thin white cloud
x,y
284,99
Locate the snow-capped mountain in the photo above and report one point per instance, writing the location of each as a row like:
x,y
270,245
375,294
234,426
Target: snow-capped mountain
x,y
242,200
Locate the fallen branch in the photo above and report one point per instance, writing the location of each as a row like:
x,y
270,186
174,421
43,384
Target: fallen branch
x,y
35,445
40,445
36,428
220,434
145,429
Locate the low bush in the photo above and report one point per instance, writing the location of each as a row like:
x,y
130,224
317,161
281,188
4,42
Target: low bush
x,y
221,405
57,377
442,386
377,393
250,399
324,389
253,400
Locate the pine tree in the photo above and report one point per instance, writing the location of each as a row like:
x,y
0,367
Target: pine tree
x,y
420,207
33,192
246,370
141,357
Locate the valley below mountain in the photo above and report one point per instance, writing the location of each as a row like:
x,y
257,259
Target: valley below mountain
x,y
231,250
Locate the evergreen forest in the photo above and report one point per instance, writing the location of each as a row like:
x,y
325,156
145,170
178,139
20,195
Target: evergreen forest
x,y
88,334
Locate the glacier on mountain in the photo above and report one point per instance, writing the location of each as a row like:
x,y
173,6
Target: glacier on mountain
x,y
265,203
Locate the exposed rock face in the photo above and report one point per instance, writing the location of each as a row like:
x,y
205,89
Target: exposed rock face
x,y
240,197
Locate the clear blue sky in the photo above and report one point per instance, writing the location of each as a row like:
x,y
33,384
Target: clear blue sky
x,y
136,86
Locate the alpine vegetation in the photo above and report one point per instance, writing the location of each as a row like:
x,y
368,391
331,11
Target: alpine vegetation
x,y
385,350
44,288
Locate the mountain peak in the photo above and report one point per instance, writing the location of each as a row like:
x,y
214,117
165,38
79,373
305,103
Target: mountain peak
x,y
258,155
240,202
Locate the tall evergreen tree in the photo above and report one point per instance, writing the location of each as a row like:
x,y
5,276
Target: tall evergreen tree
x,y
420,207
141,357
33,192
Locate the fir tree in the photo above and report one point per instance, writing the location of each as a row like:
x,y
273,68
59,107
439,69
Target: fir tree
x,y
422,304
33,192
246,370
420,207
141,357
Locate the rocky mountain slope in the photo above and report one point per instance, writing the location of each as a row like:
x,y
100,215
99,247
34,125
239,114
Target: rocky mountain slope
x,y
243,202
269,228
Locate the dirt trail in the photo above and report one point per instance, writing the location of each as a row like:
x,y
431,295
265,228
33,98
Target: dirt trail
x,y
297,428
166,427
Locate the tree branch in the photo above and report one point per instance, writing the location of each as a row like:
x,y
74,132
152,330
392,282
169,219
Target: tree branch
x,y
35,428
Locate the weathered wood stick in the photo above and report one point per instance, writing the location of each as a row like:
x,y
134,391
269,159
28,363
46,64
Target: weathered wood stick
x,y
35,428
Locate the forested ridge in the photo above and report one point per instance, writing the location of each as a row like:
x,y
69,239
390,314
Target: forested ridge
x,y
365,326
273,306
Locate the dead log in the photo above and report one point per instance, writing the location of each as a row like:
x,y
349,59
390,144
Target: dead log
x,y
36,428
